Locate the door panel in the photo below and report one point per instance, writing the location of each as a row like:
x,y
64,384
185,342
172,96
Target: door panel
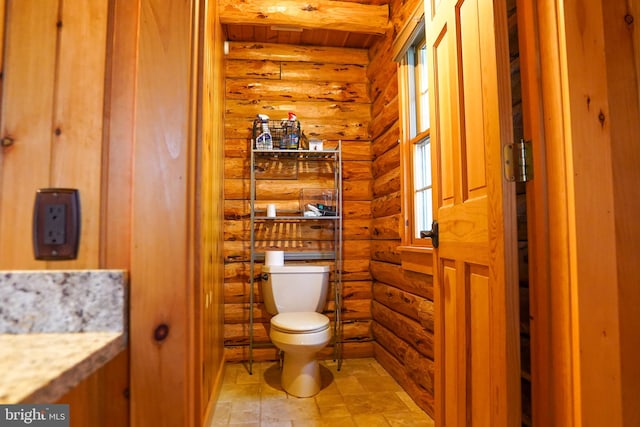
x,y
476,288
455,371
473,180
479,330
442,77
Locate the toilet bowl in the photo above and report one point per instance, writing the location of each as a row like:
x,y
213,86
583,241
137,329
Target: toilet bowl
x,y
295,295
300,335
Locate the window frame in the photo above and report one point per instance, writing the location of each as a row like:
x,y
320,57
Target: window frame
x,y
409,136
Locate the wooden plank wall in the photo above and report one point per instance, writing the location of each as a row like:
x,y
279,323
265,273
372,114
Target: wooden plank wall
x,y
167,241
53,93
402,307
210,182
328,90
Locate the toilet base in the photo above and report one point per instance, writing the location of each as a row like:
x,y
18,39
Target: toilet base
x,y
300,369
301,374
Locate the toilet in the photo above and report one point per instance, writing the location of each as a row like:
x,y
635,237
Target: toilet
x,y
295,295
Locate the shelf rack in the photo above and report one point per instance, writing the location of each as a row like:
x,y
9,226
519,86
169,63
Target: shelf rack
x,y
334,156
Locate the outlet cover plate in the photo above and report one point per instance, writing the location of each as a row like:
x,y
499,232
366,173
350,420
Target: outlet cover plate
x,y
56,224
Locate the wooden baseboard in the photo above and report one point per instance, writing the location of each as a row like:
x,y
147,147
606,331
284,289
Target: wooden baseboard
x,y
213,398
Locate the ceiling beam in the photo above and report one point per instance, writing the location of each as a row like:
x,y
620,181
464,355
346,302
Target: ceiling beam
x,y
311,15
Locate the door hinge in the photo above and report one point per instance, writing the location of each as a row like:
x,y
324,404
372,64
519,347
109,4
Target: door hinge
x,y
518,161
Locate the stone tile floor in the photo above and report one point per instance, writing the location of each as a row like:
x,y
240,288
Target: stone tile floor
x,y
362,393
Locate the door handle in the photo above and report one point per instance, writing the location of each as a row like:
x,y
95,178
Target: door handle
x,y
431,234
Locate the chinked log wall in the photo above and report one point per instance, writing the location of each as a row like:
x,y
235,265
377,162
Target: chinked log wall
x,y
402,306
328,90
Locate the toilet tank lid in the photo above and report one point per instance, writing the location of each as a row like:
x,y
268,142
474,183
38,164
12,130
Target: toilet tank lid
x,y
295,268
308,321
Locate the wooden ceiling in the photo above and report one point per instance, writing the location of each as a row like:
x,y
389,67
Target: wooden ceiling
x,y
345,23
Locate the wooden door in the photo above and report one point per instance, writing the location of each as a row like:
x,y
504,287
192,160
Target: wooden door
x,y
477,374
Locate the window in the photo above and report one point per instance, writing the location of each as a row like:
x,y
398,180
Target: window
x,y
415,138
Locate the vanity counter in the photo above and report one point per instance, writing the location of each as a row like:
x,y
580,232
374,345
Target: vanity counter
x,y
41,368
57,328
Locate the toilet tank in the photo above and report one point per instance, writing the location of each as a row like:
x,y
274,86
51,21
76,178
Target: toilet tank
x,y
290,288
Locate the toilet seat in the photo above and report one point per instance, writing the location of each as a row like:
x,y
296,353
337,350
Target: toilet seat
x,y
300,322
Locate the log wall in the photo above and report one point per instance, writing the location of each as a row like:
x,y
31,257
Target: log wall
x,y
402,303
328,90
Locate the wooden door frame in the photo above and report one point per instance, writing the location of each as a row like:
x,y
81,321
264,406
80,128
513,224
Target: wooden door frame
x,y
551,379
576,103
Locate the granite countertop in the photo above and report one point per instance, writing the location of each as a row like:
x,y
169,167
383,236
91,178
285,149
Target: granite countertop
x,y
41,368
57,328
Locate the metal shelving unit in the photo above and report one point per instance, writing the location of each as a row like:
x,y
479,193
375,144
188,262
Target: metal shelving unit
x,y
333,158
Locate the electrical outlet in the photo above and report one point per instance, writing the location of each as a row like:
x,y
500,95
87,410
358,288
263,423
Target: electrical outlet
x,y
55,219
56,224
